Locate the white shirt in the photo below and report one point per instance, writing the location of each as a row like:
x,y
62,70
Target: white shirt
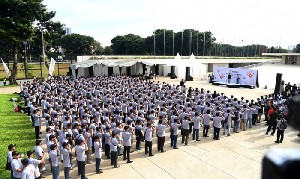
x,y
185,124
9,156
126,138
160,130
15,164
28,172
148,134
217,121
53,157
80,151
196,121
175,127
113,144
98,152
38,151
35,163
66,157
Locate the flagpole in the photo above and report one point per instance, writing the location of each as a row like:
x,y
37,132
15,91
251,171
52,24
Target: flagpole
x,y
164,42
154,42
181,41
203,44
43,46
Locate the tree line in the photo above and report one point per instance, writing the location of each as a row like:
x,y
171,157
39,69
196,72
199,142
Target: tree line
x,y
27,29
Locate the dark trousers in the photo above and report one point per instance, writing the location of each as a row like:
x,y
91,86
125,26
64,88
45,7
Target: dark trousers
x,y
174,141
195,134
216,133
185,136
114,158
28,111
280,134
81,169
138,143
273,127
98,160
254,118
148,144
191,127
205,130
107,150
126,153
37,132
161,143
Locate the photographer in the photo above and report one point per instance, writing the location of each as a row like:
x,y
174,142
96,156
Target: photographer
x,y
281,126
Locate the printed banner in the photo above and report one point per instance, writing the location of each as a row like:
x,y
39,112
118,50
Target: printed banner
x,y
51,67
238,75
6,69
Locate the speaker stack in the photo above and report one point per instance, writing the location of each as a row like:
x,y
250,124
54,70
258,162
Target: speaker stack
x,y
188,76
278,83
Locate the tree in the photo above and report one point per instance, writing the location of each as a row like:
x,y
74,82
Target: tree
x,y
16,24
129,44
108,50
76,44
297,49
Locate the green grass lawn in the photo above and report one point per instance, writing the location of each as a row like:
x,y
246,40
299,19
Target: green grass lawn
x,y
34,69
16,128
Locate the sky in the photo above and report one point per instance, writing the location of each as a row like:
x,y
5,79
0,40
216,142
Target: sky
x,y
237,22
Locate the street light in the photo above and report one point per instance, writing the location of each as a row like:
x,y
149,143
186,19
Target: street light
x,y
25,58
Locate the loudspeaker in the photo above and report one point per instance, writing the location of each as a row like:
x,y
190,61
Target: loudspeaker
x,y
91,71
278,83
188,76
173,76
281,163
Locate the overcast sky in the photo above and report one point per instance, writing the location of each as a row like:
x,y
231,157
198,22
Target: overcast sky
x,y
240,22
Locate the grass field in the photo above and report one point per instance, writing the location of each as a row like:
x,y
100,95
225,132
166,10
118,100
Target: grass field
x,y
15,128
34,70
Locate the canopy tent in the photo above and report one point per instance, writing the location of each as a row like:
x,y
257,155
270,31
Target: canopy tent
x,y
135,66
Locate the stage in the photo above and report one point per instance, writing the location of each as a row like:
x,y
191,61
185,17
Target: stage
x,y
232,85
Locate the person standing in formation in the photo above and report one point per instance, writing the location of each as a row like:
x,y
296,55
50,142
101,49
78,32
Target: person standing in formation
x,y
80,149
217,123
185,130
161,135
148,139
127,136
174,133
98,153
114,151
197,121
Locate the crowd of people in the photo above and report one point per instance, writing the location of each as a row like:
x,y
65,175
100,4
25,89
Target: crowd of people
x,y
87,116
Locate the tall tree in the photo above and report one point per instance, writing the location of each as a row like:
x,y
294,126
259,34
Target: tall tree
x,y
16,24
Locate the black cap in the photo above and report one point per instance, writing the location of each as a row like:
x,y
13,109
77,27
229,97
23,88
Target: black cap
x,y
53,146
65,144
30,152
25,161
68,135
10,146
15,153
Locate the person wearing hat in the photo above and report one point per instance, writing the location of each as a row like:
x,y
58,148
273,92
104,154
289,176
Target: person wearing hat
x,y
11,148
29,171
39,153
16,165
35,163
53,155
98,153
66,159
80,149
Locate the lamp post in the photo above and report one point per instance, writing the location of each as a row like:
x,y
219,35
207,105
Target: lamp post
x,y
25,58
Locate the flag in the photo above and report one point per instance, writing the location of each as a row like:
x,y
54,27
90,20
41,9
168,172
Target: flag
x,y
52,65
6,69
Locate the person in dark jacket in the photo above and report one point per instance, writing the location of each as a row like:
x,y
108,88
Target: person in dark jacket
x,y
272,121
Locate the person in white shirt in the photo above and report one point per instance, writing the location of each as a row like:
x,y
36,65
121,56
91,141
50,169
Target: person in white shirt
x,y
66,159
207,117
11,148
174,133
53,155
227,123
197,120
28,170
80,149
161,134
185,130
16,165
98,153
217,123
148,139
127,136
114,150
35,163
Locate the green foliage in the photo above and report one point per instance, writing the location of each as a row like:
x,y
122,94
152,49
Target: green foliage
x,y
15,128
297,49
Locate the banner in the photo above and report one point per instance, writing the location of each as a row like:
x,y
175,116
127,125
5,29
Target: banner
x,y
51,67
6,69
240,76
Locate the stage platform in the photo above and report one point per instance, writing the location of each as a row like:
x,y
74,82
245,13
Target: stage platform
x,y
232,85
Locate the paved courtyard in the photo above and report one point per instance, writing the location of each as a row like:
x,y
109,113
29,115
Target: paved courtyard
x,y
237,156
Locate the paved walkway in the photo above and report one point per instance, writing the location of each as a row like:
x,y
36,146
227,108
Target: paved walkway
x,y
237,156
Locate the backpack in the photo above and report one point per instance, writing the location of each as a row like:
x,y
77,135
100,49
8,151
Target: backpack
x,y
283,124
